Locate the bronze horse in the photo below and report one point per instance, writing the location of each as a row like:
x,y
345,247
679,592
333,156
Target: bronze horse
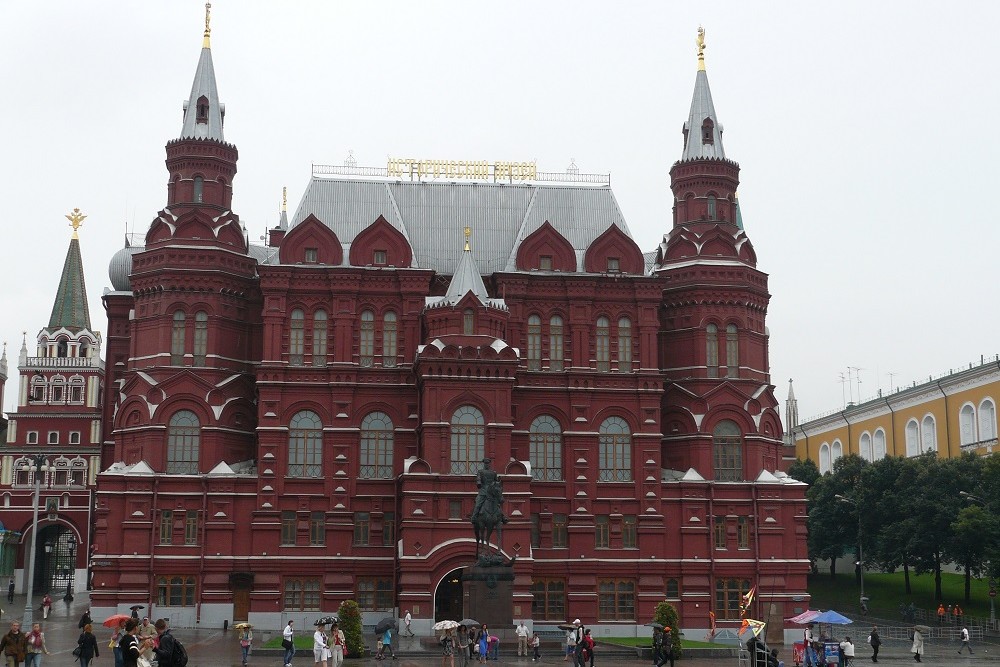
x,y
490,517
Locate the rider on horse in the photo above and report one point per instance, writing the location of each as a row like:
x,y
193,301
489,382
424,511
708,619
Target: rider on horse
x,y
487,515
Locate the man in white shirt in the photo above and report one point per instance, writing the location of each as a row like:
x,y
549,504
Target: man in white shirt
x,y
807,649
522,639
965,641
847,647
288,643
407,619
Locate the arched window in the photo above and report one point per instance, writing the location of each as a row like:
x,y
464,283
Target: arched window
x,y
603,345
707,131
865,446
967,424
624,345
177,339
468,322
376,446
77,386
555,343
615,456
836,451
534,343
912,438
389,340
57,390
546,449
84,350
468,435
319,338
199,189
824,459
711,207
367,341
878,446
200,337
37,389
78,471
928,435
297,338
202,110
727,447
62,348
987,421
732,352
712,350
183,443
305,445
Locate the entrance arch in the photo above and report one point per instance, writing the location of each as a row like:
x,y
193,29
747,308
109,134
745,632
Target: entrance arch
x,y
54,559
448,597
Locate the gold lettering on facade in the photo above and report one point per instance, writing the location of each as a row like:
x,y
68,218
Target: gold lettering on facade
x,y
460,169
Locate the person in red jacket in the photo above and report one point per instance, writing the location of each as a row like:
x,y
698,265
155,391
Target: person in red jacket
x,y
588,643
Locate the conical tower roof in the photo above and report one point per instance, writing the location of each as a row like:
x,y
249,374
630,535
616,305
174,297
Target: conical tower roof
x,y
203,113
467,278
702,131
70,309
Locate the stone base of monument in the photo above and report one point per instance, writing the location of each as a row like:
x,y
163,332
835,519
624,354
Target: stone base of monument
x,y
488,595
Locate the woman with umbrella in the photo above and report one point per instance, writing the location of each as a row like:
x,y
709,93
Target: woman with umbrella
x,y
321,650
246,639
448,648
117,621
918,641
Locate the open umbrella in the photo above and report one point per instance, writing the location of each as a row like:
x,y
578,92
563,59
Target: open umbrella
x,y
242,626
115,619
446,625
469,623
922,629
566,626
654,624
327,620
385,624
137,606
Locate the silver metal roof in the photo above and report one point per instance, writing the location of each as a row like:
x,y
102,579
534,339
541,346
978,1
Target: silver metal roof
x,y
702,108
204,85
433,215
465,280
120,266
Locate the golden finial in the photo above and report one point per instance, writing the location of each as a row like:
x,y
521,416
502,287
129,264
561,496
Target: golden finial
x,y
701,49
468,233
75,220
206,43
284,199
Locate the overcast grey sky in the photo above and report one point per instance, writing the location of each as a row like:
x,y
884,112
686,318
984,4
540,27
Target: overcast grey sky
x,y
866,132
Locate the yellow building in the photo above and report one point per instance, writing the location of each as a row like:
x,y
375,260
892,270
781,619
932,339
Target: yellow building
x,y
950,415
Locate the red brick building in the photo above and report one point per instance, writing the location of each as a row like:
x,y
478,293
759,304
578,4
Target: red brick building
x,y
301,423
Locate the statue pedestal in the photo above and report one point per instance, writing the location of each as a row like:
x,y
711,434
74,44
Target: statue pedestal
x,y
488,595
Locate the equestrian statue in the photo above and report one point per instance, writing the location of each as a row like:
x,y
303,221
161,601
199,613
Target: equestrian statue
x,y
487,515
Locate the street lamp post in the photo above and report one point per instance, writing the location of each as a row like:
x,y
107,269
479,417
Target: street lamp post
x,y
861,558
976,499
71,545
40,467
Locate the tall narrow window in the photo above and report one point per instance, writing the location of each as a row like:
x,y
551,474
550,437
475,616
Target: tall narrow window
x,y
602,531
367,341
987,421
388,529
467,440
200,337
389,340
362,524
629,537
711,207
742,532
305,445
534,343
967,425
912,438
559,532
545,438
536,532
317,529
615,444
719,531
712,350
319,338
727,443
624,345
297,338
167,527
708,131
878,445
183,443
468,322
928,434
556,343
199,189
732,352
191,527
825,464
376,446
177,339
288,528
76,386
865,446
603,345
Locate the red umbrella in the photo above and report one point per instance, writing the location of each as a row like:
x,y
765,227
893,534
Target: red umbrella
x,y
114,620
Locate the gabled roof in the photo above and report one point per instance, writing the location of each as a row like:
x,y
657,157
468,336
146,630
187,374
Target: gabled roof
x,y
431,215
70,309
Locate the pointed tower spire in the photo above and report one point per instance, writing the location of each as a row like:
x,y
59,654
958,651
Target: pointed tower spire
x,y
791,412
3,362
467,278
702,131
283,222
70,309
203,113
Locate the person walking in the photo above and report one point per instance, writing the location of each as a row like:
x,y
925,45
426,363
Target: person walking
x,y
407,619
807,646
46,605
570,644
87,643
115,644
320,647
588,646
875,642
462,645
580,645
387,643
36,647
338,645
10,590
965,641
666,648
484,644
163,651
522,639
85,620
536,645
847,647
918,645
448,649
288,643
14,645
246,641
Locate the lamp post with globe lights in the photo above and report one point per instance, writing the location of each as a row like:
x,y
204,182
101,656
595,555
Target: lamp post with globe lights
x,y
39,464
71,545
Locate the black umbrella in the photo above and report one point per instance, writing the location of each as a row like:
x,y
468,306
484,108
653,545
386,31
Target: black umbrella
x,y
654,624
327,620
469,623
386,623
566,626
136,606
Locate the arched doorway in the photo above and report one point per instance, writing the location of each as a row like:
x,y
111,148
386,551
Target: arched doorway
x,y
55,559
448,597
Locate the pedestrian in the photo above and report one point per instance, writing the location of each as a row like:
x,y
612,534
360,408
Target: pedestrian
x,y
918,644
494,642
949,613
666,653
130,645
940,613
484,645
246,641
163,651
447,649
588,642
288,643
146,631
875,642
407,619
522,639
87,643
847,647
387,643
462,645
46,605
85,620
36,646
10,590
115,644
320,647
338,645
536,645
958,615
14,645
570,644
580,646
965,641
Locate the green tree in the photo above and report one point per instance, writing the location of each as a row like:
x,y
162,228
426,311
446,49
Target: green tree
x,y
975,536
666,616
350,623
884,513
804,471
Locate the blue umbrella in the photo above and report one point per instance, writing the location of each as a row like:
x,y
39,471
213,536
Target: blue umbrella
x,y
830,616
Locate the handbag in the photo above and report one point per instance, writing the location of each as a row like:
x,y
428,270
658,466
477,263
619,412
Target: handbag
x,y
285,644
78,651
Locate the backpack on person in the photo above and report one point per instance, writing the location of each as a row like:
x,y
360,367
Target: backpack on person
x,y
178,654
